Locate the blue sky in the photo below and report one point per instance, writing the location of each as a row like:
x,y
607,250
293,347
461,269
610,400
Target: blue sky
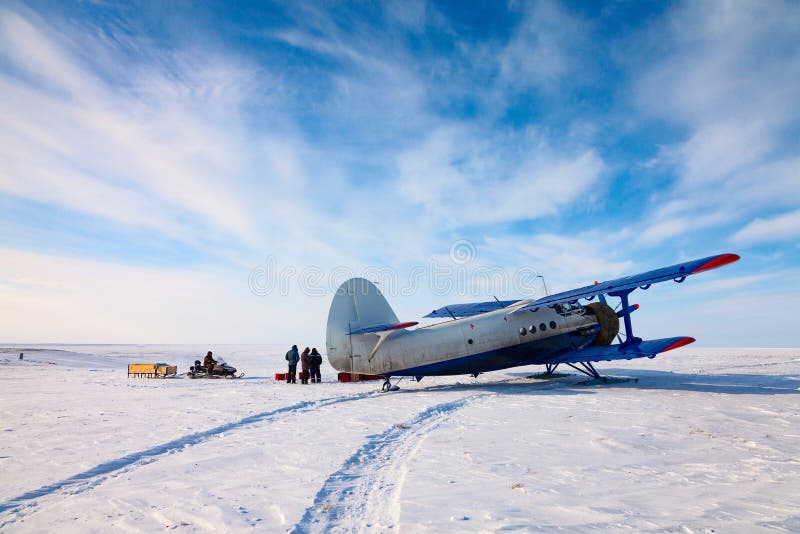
x,y
153,157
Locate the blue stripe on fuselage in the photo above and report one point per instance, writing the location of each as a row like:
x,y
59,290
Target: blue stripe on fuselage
x,y
536,352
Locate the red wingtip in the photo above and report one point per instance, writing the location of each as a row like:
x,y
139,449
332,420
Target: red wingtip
x,y
719,261
635,306
680,343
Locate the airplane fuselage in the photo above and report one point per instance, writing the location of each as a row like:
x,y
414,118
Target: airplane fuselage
x,y
485,342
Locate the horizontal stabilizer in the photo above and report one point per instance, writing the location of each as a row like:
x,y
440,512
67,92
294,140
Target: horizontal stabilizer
x,y
470,308
641,349
382,328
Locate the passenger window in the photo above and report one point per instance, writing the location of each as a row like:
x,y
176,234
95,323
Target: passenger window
x,y
553,325
532,328
523,331
542,327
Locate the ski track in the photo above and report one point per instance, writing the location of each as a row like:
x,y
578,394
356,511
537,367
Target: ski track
x,y
397,439
364,493
86,480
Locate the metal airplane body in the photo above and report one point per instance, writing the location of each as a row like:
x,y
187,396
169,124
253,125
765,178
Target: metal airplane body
x,y
365,336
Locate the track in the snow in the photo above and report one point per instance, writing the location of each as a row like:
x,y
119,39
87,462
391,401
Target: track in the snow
x,y
90,478
364,493
16,508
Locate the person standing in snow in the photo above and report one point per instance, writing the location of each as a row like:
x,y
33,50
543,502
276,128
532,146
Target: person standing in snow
x,y
315,360
304,366
292,357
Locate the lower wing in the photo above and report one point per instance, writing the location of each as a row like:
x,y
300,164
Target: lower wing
x,y
640,349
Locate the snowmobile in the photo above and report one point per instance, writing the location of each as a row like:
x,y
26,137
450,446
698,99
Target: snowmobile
x,y
221,369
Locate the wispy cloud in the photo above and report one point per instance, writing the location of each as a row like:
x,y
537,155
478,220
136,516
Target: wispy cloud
x,y
728,73
133,156
566,261
779,228
458,178
547,50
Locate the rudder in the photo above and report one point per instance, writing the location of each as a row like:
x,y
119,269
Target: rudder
x,y
358,303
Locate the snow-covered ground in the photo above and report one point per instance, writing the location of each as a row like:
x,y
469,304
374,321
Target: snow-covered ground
x,y
696,440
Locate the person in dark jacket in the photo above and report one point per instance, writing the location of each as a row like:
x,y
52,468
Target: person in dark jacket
x,y
314,361
209,362
304,366
292,357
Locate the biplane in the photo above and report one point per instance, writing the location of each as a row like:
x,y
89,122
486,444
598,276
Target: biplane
x,y
576,328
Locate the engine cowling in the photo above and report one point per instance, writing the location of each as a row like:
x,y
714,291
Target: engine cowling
x,y
608,321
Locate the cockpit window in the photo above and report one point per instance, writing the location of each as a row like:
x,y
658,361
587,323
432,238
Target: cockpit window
x,y
569,308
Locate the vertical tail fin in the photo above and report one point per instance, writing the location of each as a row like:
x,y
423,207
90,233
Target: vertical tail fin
x,y
358,304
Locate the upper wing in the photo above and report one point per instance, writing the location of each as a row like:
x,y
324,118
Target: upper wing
x,y
470,308
675,272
